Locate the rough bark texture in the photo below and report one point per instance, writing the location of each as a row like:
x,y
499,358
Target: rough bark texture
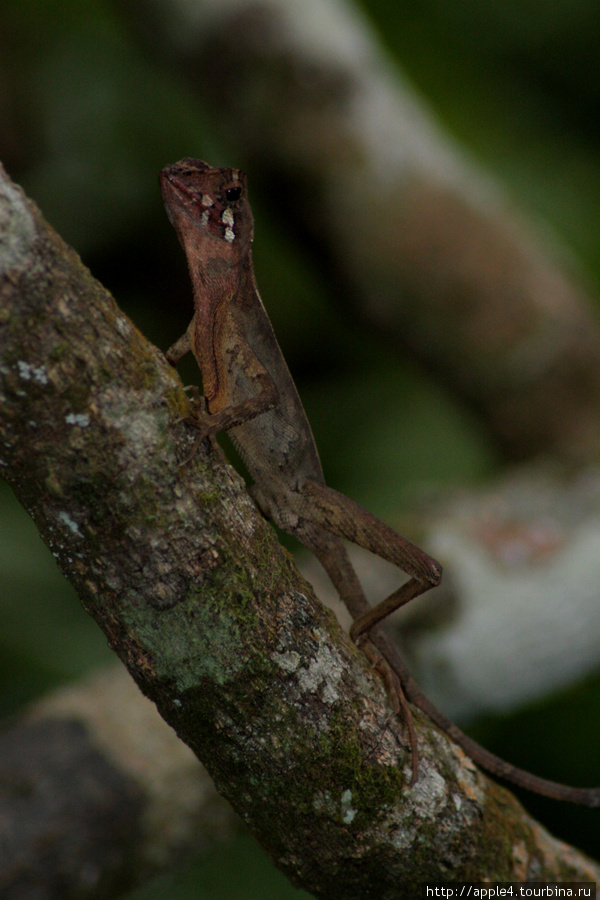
x,y
210,617
425,244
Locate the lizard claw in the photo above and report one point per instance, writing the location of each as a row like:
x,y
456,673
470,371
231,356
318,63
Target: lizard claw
x,y
398,700
200,419
205,431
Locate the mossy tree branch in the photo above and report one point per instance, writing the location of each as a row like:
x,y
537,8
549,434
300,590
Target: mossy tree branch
x,y
209,614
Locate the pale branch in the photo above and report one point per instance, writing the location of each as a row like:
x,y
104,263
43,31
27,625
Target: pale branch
x,y
92,773
209,615
517,616
70,821
426,245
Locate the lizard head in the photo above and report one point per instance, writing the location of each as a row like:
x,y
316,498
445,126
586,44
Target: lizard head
x,y
208,208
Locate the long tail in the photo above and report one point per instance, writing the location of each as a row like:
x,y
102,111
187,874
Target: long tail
x,y
489,761
332,554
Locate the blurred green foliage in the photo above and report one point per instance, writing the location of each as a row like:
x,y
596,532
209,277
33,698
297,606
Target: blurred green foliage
x,y
239,871
45,639
519,84
86,122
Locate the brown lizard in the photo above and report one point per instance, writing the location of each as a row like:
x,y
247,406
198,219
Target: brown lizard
x,y
250,393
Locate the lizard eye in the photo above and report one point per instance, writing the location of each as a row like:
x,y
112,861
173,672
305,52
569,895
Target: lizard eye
x,y
233,193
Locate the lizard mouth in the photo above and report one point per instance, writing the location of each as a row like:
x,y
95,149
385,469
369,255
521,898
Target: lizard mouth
x,y
173,182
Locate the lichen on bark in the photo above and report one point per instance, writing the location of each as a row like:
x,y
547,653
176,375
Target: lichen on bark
x,y
208,613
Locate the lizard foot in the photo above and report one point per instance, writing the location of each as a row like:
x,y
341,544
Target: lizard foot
x,y
399,702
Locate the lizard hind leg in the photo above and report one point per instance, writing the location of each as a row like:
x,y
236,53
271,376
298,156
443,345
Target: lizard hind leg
x,y
332,555
400,704
338,515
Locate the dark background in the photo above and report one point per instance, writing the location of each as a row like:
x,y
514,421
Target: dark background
x,y
86,123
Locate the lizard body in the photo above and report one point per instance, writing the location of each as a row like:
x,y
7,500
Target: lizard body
x,y
250,393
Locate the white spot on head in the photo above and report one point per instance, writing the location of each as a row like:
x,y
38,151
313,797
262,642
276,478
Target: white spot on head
x,y
206,200
204,218
228,219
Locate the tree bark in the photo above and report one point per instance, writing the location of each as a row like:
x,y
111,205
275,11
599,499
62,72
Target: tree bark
x,y
209,615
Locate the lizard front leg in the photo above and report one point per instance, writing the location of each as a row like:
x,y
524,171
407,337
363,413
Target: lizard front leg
x,y
182,345
209,424
263,398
